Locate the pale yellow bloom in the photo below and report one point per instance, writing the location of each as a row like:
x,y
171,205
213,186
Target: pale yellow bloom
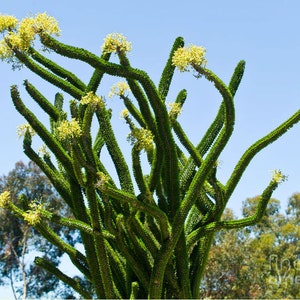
x,y
91,98
124,113
47,24
43,151
22,129
5,51
187,57
175,109
68,129
21,34
7,22
278,177
4,199
115,42
118,89
33,216
142,138
102,181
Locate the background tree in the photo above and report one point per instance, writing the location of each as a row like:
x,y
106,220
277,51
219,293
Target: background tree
x,y
147,230
265,263
18,239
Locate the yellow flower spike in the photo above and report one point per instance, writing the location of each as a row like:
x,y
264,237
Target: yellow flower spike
x,y
142,138
8,22
43,151
124,113
68,129
102,181
22,129
186,57
33,216
91,98
47,24
21,34
4,199
118,89
5,51
278,177
175,109
116,42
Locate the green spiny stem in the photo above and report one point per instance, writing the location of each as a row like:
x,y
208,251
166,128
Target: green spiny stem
x,y
81,213
50,109
101,253
182,267
237,76
167,74
134,112
114,149
255,148
78,163
138,247
97,76
137,205
217,124
99,142
138,172
73,224
146,235
45,135
86,136
55,177
59,102
186,143
48,76
48,266
197,182
198,266
181,97
204,145
118,269
143,105
57,69
136,265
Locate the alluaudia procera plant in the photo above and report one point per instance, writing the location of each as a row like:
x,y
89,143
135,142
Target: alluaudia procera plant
x,y
144,235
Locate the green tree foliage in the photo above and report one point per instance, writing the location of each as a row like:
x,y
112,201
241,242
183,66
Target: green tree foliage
x,y
261,261
18,239
146,232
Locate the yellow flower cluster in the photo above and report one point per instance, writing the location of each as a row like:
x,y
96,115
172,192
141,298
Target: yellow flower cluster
x,y
186,57
43,151
124,113
7,22
33,216
4,199
142,138
21,34
278,177
102,181
115,42
68,129
118,89
91,98
175,109
22,129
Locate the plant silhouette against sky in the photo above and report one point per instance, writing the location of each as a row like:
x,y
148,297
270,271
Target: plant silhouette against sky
x,y
145,234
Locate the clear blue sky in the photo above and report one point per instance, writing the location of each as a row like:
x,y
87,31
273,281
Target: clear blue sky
x,y
264,33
